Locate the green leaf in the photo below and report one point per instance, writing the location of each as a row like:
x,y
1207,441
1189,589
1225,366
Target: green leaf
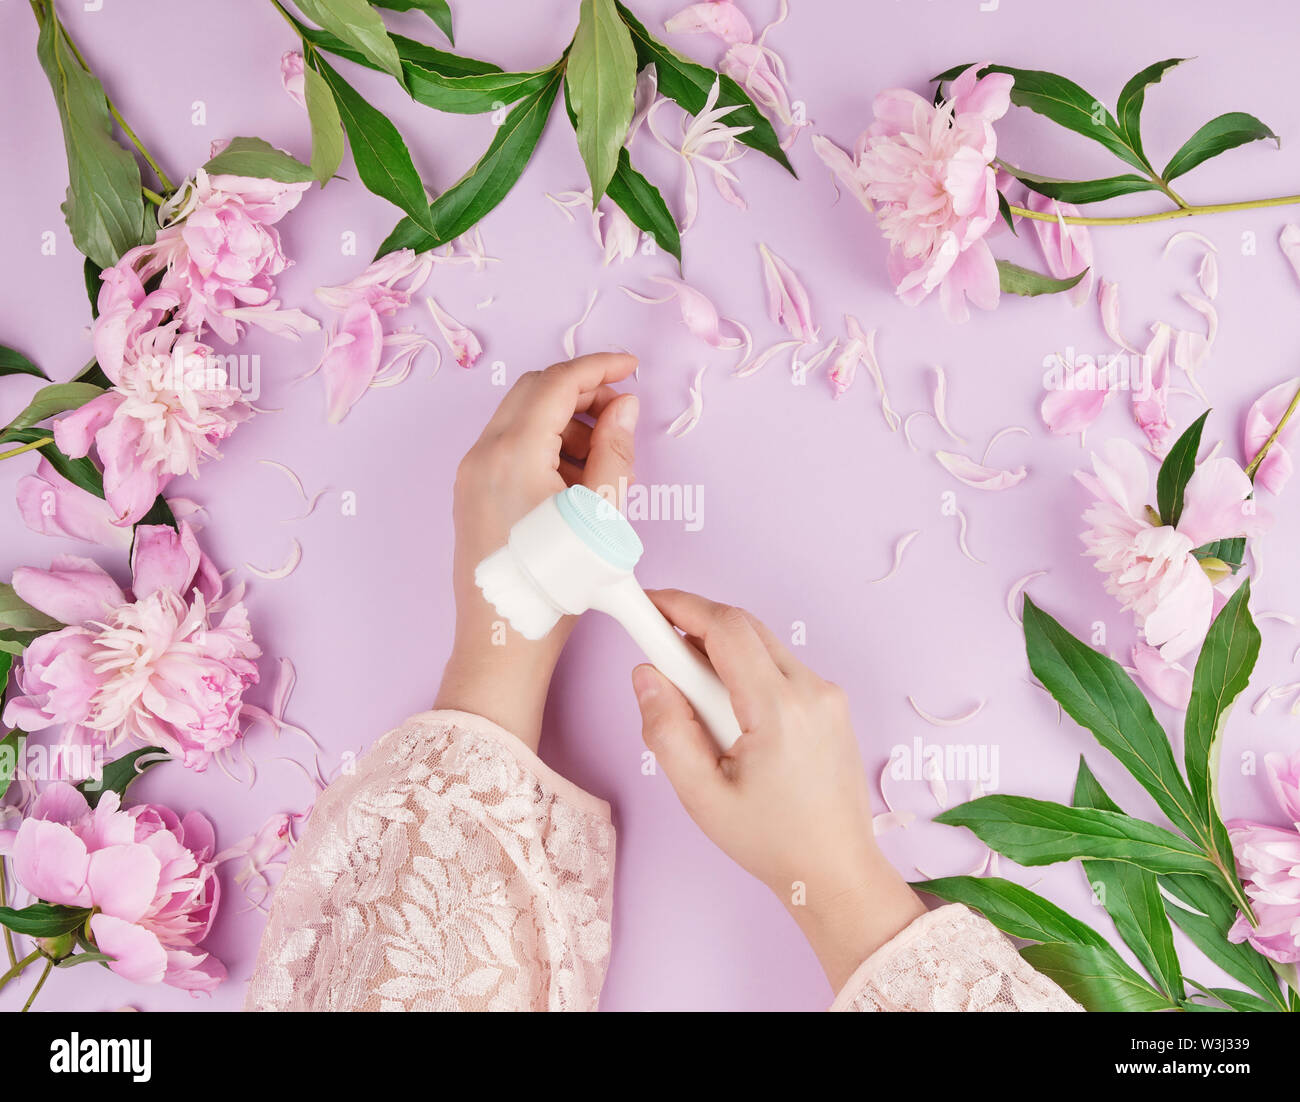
x,y
1094,978
437,10
10,745
1242,1002
254,157
1176,471
1132,898
1216,136
105,207
1097,694
6,666
361,27
80,472
17,615
488,182
14,642
1082,191
688,84
159,513
90,272
383,161
15,363
1066,104
1206,920
1222,673
408,49
641,202
601,78
51,400
472,95
118,775
326,127
44,919
1013,909
1016,280
1038,832
1231,552
1128,108
1004,209
85,958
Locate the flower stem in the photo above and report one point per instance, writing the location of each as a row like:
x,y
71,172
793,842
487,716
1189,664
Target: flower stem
x,y
1272,437
167,185
153,197
4,902
17,969
27,447
49,967
1187,211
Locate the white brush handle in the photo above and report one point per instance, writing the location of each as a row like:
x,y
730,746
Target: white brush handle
x,y
676,659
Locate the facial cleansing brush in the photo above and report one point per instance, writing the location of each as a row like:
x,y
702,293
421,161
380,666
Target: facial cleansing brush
x,y
576,551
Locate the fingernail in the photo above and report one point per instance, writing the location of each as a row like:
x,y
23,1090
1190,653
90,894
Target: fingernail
x,y
644,683
626,414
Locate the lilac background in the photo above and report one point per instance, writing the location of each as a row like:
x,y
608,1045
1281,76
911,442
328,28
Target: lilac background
x,y
804,497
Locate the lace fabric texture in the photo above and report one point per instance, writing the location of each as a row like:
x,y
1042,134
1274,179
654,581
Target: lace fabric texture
x,y
452,871
950,959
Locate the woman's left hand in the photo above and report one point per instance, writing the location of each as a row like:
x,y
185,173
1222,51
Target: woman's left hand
x,y
534,446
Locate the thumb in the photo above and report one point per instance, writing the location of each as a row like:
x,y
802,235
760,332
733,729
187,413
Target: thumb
x,y
676,738
612,448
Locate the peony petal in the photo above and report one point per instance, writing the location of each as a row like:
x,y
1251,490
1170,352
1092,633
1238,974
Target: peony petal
x,y
164,558
123,880
719,17
787,298
137,953
1169,681
1265,413
978,476
73,591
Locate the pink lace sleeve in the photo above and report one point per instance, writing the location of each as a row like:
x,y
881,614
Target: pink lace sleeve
x,y
453,870
950,959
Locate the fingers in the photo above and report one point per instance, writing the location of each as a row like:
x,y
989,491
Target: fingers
x,y
735,649
679,743
612,451
546,400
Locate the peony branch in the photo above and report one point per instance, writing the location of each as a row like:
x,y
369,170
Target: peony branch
x,y
27,447
49,967
1188,211
1272,436
17,969
4,902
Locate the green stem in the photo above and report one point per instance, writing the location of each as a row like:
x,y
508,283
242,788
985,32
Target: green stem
x,y
4,902
167,185
153,197
1272,437
17,969
1159,216
49,967
27,447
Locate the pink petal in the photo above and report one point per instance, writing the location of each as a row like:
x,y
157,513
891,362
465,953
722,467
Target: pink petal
x,y
73,591
164,558
720,17
293,78
787,298
1169,681
75,433
978,476
1108,300
843,166
1290,242
1070,410
51,862
1217,504
1263,417
973,275
137,952
351,359
464,345
123,880
53,506
1066,248
1151,403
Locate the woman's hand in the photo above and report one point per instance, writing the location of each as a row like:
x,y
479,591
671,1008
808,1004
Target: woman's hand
x,y
789,801
534,446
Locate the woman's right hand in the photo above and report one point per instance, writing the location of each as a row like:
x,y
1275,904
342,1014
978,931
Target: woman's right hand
x,y
789,801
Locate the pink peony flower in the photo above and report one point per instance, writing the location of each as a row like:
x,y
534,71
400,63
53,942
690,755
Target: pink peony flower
x,y
157,667
1150,567
928,171
170,407
149,875
1262,418
1268,860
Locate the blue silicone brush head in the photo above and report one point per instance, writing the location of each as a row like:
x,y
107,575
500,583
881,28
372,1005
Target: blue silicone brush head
x,y
601,526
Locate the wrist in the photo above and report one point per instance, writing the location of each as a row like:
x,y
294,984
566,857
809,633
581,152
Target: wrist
x,y
844,926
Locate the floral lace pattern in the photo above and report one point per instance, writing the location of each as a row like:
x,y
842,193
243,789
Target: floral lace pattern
x,y
452,871
950,959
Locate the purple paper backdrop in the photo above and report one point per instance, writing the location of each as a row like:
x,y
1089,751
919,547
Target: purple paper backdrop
x,y
803,497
